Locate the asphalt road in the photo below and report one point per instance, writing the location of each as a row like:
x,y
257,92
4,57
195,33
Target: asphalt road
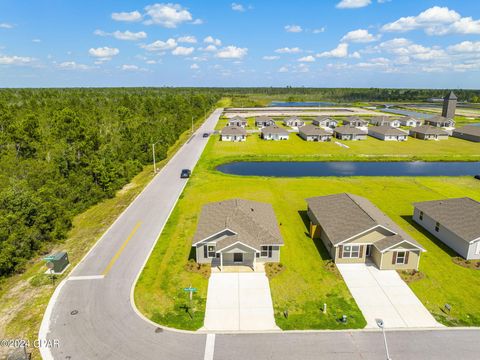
x,y
92,317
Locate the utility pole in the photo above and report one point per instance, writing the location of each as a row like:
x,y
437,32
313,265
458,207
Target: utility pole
x,y
192,124
154,163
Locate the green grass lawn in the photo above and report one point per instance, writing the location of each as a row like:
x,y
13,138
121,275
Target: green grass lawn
x,y
309,280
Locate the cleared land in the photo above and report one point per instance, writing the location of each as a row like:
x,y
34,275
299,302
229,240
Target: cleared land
x,y
309,278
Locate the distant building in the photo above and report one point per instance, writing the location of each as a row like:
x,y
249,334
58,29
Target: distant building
x,y
314,133
449,106
325,122
426,132
294,121
387,133
274,133
237,121
469,132
355,121
263,121
410,121
233,133
440,121
385,121
349,133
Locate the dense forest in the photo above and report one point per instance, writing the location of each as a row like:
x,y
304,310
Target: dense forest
x,y
63,150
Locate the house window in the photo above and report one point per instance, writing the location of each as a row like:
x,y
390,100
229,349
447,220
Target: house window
x,y
266,251
421,215
437,226
211,251
351,251
401,257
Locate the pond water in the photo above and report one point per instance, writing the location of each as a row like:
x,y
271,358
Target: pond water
x,y
416,114
300,104
344,168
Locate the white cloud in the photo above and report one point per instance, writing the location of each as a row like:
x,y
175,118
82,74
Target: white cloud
x,y
36,41
308,58
211,40
359,36
302,68
197,22
72,65
6,26
271,57
187,39
238,7
209,48
340,51
125,35
293,28
15,60
287,50
160,45
232,52
129,67
194,67
150,62
319,30
127,16
283,69
183,51
353,4
466,47
436,21
355,55
167,15
405,48
103,53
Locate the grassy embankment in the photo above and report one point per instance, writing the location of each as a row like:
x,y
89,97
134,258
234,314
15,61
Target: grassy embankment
x,y
309,280
24,297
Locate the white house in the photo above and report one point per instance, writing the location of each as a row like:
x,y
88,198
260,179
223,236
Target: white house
x,y
233,133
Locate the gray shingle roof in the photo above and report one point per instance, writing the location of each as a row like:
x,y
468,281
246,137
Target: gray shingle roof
x,y
233,130
237,118
386,130
428,130
263,118
313,130
253,222
469,129
459,215
346,129
274,130
343,216
437,119
388,242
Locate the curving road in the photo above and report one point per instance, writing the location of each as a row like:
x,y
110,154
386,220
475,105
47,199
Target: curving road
x,y
92,316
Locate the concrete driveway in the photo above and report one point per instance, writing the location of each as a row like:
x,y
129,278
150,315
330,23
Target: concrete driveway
x,y
383,294
239,302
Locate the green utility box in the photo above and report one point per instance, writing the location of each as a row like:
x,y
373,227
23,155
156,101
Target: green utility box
x,y
59,260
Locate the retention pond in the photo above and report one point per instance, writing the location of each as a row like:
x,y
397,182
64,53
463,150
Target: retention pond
x,y
343,168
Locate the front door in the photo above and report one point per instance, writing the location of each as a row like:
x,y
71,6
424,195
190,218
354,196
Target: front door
x,y
368,252
237,258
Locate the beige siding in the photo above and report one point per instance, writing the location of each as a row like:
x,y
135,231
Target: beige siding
x,y
413,258
343,260
370,237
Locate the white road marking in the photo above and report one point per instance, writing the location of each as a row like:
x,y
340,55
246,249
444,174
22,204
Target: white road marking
x,y
209,347
86,277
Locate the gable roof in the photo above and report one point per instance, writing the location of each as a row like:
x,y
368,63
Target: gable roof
x,y
428,130
438,119
351,119
263,118
389,119
347,129
459,215
253,223
469,130
292,118
313,130
233,130
324,117
343,216
274,130
386,130
237,118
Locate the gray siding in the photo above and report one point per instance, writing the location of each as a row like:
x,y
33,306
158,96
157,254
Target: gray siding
x,y
464,136
450,239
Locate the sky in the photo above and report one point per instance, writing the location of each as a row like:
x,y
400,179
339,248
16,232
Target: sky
x,y
328,43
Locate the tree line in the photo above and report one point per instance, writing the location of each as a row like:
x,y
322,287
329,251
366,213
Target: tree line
x,y
64,150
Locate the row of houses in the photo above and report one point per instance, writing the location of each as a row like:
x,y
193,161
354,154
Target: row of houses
x,y
331,123
348,132
352,229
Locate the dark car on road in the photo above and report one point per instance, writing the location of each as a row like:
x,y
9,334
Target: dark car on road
x,y
205,135
477,177
185,174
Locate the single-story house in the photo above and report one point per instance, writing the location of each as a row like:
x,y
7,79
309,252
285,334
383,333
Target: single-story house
x,y
469,132
410,121
440,121
274,133
387,133
233,133
455,222
385,121
237,121
263,121
294,121
314,133
355,121
237,232
354,230
427,132
325,122
349,133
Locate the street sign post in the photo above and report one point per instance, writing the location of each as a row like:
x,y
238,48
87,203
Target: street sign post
x,y
190,290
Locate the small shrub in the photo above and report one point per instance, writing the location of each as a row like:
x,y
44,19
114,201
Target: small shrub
x,y
273,269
